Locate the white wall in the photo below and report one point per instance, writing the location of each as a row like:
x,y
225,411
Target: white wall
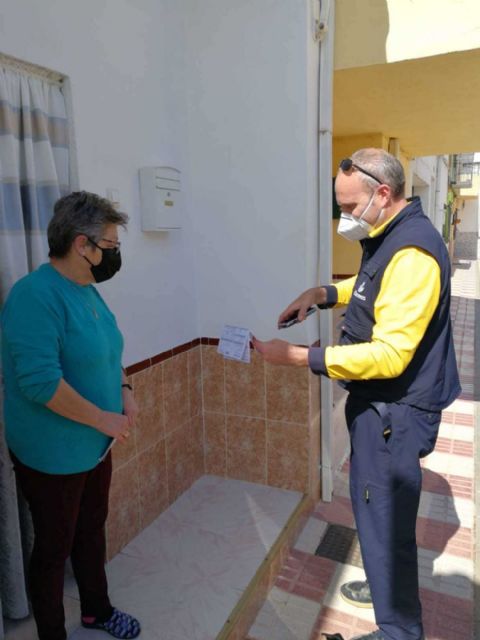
x,y
224,92
429,176
114,53
423,175
468,215
434,28
249,74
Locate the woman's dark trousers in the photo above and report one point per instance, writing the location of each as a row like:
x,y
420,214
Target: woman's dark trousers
x,y
68,513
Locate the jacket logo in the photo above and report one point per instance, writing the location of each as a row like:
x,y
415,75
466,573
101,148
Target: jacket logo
x,y
358,292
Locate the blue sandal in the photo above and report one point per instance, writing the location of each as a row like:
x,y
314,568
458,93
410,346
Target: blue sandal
x,y
119,625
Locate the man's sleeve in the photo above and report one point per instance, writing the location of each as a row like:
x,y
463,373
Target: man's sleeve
x,y
32,332
404,307
338,294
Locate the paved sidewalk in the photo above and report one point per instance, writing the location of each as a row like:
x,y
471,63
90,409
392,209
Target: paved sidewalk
x,y
305,600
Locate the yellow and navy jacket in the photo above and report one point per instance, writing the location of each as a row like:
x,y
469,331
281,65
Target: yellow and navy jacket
x,y
396,342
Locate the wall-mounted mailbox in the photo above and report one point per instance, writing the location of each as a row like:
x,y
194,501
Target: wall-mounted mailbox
x,y
160,198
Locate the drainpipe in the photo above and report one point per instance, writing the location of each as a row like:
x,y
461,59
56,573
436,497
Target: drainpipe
x,y
324,33
436,196
439,216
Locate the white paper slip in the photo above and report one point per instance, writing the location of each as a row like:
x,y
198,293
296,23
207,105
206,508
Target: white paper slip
x,y
235,343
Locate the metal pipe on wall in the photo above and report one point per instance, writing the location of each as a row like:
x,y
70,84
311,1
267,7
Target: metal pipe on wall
x,y
325,36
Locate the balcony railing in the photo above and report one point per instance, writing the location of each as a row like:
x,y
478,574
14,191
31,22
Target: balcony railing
x,y
462,170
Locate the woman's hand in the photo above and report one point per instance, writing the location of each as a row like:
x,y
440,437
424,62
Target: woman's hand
x,y
70,404
130,407
115,425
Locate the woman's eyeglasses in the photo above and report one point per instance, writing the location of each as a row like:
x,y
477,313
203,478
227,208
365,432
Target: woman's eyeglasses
x,y
347,163
115,247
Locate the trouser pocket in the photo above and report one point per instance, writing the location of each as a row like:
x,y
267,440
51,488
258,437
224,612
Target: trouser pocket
x,y
427,424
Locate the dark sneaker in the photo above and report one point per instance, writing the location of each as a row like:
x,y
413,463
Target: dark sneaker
x,y
375,635
358,594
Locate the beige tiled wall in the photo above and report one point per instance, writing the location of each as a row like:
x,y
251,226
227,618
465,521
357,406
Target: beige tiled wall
x,y
202,414
261,422
165,454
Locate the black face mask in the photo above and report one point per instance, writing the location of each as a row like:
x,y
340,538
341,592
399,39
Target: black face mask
x,y
109,264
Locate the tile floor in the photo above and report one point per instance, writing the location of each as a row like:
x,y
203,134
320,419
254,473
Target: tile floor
x,y
183,575
305,601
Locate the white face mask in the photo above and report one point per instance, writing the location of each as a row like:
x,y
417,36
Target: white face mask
x,y
352,228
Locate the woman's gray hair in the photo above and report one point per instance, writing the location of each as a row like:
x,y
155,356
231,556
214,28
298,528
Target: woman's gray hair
x,y
384,166
80,213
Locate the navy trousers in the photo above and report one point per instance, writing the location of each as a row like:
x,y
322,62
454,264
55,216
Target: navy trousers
x,y
387,441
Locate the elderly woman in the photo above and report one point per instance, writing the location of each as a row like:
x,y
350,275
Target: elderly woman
x,y
66,400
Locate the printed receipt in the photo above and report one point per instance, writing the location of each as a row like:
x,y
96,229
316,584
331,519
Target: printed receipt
x,y
235,343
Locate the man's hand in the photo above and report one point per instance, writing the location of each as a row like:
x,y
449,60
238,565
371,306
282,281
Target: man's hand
x,y
130,407
309,298
281,352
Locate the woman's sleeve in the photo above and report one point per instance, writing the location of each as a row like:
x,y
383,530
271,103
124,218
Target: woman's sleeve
x,y
33,331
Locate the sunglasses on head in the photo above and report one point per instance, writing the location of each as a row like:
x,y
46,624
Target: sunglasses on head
x,y
348,163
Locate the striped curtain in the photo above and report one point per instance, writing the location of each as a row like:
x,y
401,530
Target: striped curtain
x,y
34,173
34,169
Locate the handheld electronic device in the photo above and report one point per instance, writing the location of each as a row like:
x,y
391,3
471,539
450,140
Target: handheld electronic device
x,y
294,319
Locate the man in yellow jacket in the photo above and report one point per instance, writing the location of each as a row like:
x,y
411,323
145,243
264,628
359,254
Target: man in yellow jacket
x,y
396,359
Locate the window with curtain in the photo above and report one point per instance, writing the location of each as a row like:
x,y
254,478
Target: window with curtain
x,y
35,161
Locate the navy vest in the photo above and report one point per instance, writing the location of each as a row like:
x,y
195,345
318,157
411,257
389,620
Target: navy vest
x,y
431,380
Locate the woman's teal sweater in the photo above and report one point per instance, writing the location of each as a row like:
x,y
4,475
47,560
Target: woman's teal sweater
x,y
53,328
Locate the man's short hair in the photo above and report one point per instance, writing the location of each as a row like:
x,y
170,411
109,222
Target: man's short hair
x,y
384,166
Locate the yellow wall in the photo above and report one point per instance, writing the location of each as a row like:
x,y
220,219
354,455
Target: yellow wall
x,y
473,191
346,254
344,146
405,160
371,32
395,149
434,44
429,104
361,30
